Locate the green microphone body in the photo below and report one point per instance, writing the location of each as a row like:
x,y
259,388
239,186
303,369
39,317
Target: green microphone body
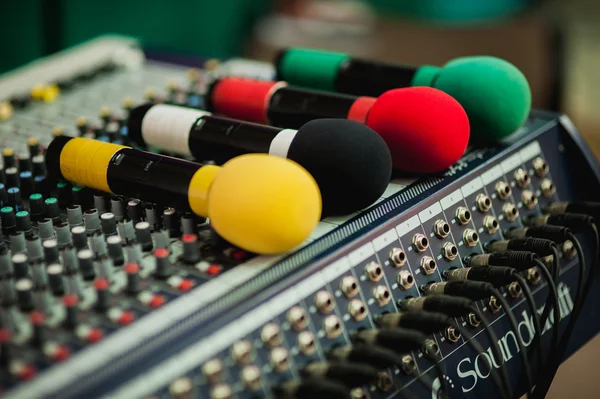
x,y
494,93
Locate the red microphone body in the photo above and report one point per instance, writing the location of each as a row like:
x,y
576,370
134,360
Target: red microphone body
x,y
425,129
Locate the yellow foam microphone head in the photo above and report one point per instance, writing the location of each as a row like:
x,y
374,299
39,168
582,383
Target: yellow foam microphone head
x,y
264,203
261,203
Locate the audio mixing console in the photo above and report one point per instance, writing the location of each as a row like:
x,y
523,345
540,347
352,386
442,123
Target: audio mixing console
x,y
105,296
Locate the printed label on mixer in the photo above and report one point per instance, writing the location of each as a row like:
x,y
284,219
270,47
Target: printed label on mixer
x,y
531,150
430,212
512,162
471,371
451,199
407,226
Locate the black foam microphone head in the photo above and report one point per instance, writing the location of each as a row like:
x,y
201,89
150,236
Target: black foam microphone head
x,y
349,161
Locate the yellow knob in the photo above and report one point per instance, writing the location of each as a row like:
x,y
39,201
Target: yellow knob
x,y
37,91
81,121
6,110
104,112
127,103
50,93
57,131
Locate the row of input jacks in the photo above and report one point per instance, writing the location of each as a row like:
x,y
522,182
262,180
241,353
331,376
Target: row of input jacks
x,y
484,203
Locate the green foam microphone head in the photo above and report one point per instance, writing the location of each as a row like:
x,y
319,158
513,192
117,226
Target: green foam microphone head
x,y
495,93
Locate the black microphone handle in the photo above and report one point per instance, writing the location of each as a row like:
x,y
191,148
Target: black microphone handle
x,y
293,107
371,78
221,139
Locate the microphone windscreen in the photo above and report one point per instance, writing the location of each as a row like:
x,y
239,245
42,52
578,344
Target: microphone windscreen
x,y
350,162
264,204
495,94
426,130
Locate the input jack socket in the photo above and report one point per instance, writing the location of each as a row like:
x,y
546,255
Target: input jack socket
x,y
540,167
441,228
420,242
382,295
483,202
357,309
522,177
297,318
510,211
306,343
405,280
452,334
529,199
409,366
332,327
463,215
374,271
428,265
398,257
503,190
449,251
324,302
548,188
431,348
494,305
534,276
514,290
490,224
473,320
349,286
470,237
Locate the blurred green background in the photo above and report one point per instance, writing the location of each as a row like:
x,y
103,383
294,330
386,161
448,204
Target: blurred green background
x,y
206,27
211,28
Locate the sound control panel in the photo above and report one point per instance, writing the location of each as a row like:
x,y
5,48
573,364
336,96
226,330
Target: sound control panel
x,y
316,317
107,297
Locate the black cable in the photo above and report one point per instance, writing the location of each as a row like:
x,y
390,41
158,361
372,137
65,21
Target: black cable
x,y
430,322
399,340
597,237
521,261
514,326
468,337
408,394
544,385
594,268
536,339
437,362
556,264
455,299
547,309
427,382
552,295
494,344
433,312
497,276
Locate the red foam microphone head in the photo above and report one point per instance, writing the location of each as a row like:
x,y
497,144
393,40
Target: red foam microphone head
x,y
425,129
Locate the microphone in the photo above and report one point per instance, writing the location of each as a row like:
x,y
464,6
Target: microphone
x,y
425,129
262,204
495,93
351,164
